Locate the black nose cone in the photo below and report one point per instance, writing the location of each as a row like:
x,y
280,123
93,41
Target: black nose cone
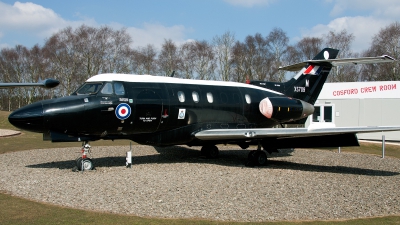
x,y
28,118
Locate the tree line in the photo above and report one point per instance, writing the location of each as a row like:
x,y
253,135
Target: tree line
x,y
73,55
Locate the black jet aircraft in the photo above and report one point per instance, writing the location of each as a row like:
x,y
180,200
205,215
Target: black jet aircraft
x,y
165,111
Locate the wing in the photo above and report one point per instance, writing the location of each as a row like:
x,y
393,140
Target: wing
x,y
48,83
254,133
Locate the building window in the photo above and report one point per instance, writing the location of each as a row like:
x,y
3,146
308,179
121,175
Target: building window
x,y
328,114
323,114
317,114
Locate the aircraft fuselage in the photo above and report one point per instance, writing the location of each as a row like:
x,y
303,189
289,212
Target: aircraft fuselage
x,y
155,110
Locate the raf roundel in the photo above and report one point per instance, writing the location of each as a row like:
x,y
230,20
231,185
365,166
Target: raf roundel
x,y
123,111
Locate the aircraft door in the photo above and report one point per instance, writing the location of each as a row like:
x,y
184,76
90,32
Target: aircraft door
x,y
109,110
148,112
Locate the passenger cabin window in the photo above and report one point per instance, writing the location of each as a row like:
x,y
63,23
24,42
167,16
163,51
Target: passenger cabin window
x,y
195,96
89,88
248,99
181,96
107,89
210,97
119,88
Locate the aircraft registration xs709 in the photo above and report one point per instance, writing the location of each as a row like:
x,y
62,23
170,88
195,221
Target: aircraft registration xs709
x,y
165,111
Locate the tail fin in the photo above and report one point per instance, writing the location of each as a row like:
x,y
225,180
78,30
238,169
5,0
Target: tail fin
x,y
308,82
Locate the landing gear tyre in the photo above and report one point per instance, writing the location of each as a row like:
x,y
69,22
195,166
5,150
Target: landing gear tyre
x,y
87,164
210,152
260,158
257,158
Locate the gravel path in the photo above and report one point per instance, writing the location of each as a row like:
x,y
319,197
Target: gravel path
x,y
175,182
7,133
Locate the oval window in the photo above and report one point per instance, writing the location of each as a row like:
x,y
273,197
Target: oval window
x,y
181,96
248,99
210,97
195,96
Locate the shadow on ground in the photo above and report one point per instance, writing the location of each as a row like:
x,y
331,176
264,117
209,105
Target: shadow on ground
x,y
231,158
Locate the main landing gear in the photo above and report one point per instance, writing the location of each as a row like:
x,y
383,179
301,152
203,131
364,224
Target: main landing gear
x,y
257,157
84,162
210,151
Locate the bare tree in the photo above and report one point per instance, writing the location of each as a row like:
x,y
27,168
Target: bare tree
x,y
36,68
386,42
223,48
277,43
342,40
91,45
252,59
145,58
203,60
9,67
14,69
65,63
262,58
118,52
308,47
239,62
186,62
168,59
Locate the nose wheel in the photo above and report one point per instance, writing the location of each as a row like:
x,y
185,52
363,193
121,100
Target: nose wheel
x,y
84,162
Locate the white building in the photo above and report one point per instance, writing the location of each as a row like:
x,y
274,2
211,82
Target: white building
x,y
360,104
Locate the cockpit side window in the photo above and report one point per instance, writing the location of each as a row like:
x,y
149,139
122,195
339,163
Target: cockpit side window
x,y
89,88
107,89
119,88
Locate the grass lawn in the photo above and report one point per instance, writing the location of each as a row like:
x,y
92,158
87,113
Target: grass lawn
x,y
14,210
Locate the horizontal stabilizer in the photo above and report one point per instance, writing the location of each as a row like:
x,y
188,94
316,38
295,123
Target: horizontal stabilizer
x,y
339,62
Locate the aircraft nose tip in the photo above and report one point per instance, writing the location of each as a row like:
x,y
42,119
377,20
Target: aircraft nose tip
x,y
28,118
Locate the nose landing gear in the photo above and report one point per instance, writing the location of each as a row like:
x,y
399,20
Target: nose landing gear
x,y
84,162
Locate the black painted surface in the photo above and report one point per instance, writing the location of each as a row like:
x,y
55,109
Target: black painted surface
x,y
158,116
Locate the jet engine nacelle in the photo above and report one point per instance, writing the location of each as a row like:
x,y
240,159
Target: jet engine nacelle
x,y
284,109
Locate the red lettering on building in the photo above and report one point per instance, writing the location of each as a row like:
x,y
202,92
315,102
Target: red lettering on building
x,y
353,91
387,87
368,89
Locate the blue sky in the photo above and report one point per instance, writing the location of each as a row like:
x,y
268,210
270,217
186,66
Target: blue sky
x,y
152,21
